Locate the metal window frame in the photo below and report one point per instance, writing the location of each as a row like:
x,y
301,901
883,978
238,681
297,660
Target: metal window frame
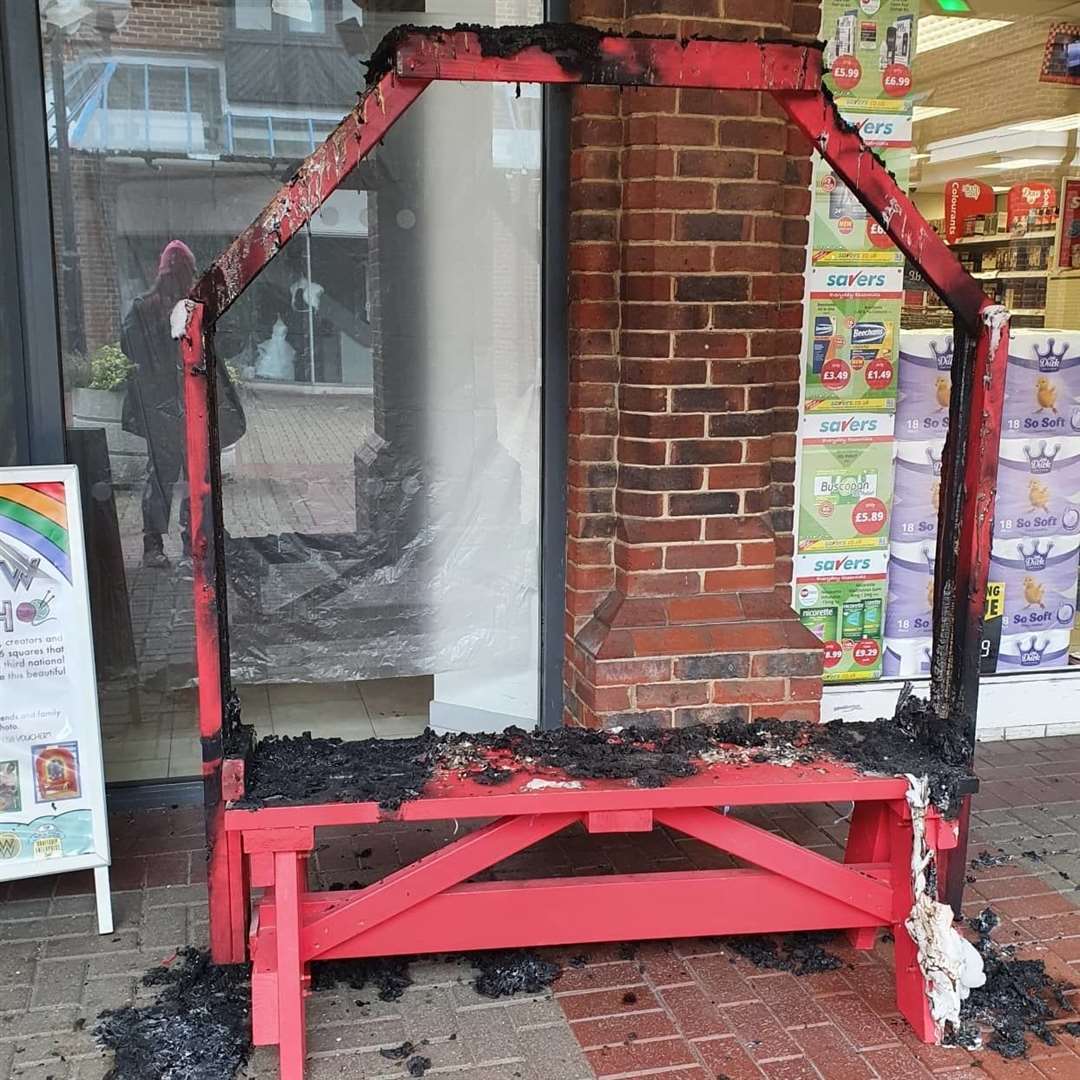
x,y
793,74
31,294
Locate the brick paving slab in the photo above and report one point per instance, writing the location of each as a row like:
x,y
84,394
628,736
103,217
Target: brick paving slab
x,y
685,1010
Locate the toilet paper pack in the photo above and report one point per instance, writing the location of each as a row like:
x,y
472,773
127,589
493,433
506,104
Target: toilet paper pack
x,y
924,382
909,609
907,658
1039,651
916,491
1042,384
1038,575
1038,491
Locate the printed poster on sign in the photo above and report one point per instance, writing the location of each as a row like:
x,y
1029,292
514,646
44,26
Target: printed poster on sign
x,y
870,45
841,599
853,339
845,486
52,792
844,234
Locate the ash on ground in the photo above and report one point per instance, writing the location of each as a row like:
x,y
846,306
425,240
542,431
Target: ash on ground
x,y
511,971
198,1028
392,771
799,953
1019,998
390,976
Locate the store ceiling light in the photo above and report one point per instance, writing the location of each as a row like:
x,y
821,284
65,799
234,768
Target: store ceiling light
x,y
937,31
1019,163
1055,123
928,112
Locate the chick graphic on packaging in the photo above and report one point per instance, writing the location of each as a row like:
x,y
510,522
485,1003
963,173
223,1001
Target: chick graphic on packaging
x,y
1034,593
943,387
1039,495
1045,395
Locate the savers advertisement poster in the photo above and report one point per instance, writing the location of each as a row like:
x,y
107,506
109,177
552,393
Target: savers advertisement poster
x,y
871,46
843,233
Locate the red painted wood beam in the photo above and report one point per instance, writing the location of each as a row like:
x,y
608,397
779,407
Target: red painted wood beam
x,y
429,876
783,857
871,183
298,200
565,911
201,453
622,61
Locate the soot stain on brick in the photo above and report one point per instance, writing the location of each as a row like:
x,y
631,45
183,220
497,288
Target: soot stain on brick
x,y
198,1027
1018,998
306,769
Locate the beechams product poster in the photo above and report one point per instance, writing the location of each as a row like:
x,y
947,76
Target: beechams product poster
x,y
853,339
845,486
843,233
870,46
52,792
841,599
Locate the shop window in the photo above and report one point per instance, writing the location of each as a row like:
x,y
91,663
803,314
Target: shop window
x,y
381,380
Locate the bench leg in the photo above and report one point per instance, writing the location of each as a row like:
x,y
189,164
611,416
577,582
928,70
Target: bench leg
x,y
289,884
911,997
867,842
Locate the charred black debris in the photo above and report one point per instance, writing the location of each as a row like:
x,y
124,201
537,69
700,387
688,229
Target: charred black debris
x,y
798,953
510,971
304,769
1019,998
198,1028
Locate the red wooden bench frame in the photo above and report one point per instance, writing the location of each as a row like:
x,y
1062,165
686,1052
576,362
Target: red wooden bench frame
x,y
428,906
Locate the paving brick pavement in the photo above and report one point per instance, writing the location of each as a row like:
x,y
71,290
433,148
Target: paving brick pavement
x,y
685,1010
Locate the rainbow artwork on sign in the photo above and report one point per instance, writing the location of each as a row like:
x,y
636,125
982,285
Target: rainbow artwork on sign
x,y
36,516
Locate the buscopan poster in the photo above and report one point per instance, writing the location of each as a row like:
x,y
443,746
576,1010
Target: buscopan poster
x,y
845,487
844,234
870,49
52,791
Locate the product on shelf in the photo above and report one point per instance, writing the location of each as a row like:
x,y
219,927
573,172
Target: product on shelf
x,y
1039,579
1042,384
916,491
924,381
1038,492
909,610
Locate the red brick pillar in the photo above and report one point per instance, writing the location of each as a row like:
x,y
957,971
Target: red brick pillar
x,y
688,247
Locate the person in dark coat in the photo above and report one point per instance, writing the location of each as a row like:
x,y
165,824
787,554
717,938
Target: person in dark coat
x,y
153,405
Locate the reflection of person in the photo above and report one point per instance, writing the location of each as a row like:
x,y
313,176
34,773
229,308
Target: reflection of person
x,y
153,407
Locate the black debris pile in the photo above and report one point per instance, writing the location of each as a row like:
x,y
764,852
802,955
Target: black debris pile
x,y
417,1066
302,769
509,971
390,976
393,771
198,1028
398,1053
1018,998
985,860
799,954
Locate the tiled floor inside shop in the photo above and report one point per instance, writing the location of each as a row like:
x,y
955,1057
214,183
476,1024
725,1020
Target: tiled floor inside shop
x,y
163,741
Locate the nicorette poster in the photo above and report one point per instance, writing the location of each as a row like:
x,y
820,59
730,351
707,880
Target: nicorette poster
x,y
870,48
853,340
843,233
52,791
846,483
841,599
